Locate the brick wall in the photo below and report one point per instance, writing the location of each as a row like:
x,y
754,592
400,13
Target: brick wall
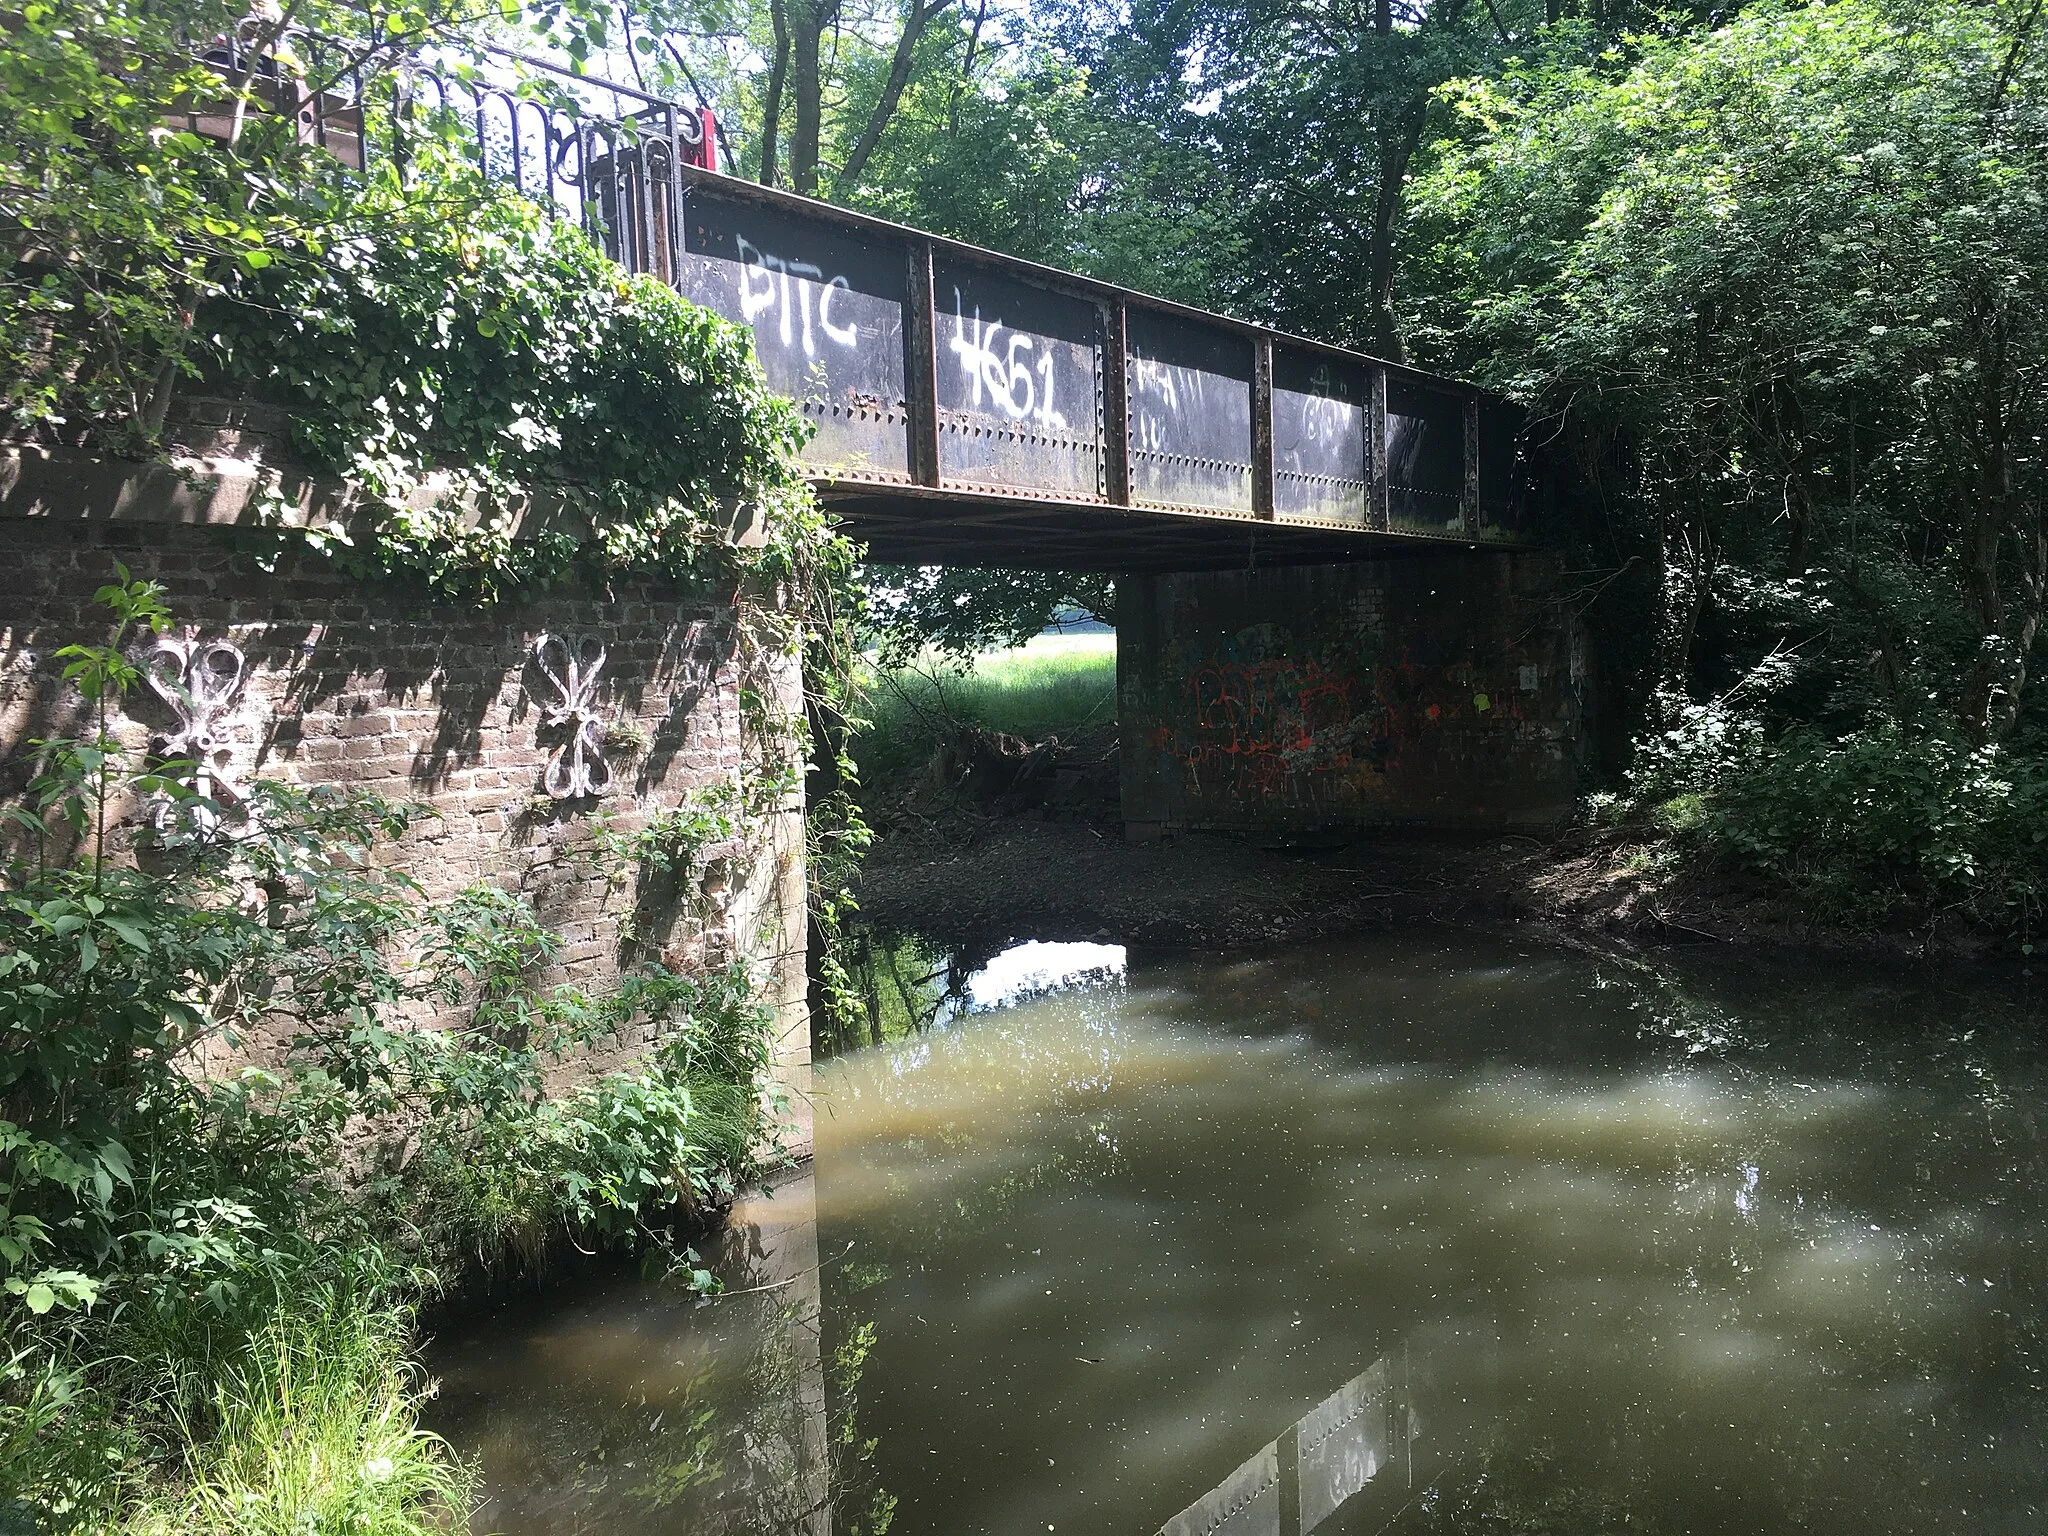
x,y
378,685
1434,691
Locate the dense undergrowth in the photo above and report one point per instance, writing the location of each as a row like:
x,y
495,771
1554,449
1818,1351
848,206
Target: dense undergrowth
x,y
1054,687
1772,287
220,1038
1881,829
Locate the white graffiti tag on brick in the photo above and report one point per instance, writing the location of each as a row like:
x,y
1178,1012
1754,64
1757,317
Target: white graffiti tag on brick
x,y
578,767
199,680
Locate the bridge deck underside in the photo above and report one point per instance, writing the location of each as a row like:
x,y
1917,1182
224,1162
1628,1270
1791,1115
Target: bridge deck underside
x,y
917,526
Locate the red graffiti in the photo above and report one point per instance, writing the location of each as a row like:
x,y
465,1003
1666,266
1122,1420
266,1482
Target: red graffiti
x,y
1261,726
1288,728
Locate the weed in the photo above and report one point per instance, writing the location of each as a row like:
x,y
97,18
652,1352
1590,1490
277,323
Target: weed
x,y
312,1425
205,1322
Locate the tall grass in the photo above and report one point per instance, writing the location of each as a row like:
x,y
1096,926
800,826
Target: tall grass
x,y
1054,685
313,1426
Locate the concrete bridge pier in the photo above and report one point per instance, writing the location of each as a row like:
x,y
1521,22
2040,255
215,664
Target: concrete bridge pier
x,y
1441,690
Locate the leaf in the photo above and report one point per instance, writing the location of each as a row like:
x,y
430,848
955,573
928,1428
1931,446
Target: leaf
x,y
129,932
40,1298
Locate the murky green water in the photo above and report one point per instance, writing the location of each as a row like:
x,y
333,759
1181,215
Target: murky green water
x,y
1596,1246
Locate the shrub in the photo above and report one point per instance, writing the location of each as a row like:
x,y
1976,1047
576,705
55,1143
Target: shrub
x,y
502,361
1888,822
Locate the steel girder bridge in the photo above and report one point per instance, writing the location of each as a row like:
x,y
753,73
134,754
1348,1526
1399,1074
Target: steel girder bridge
x,y
974,409
970,408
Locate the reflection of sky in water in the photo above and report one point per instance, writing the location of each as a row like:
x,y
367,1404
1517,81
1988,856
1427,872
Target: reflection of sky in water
x,y
1025,970
1701,1241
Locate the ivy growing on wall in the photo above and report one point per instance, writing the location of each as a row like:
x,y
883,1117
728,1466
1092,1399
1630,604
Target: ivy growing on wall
x,y
511,401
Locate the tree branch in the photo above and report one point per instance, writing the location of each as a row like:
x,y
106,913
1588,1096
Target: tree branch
x,y
905,59
676,58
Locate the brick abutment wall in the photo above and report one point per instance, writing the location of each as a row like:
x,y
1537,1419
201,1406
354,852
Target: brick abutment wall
x,y
1440,691
377,684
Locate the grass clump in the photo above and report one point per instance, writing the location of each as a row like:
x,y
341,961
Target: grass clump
x,y
1054,685
312,1425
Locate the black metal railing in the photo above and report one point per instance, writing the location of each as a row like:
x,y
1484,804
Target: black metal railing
x,y
597,151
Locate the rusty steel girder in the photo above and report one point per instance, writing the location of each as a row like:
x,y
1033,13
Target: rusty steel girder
x,y
973,408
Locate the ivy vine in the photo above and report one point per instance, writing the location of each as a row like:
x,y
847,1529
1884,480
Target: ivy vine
x,y
514,404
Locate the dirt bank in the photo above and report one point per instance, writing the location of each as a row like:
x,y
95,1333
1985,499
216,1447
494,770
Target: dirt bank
x,y
989,877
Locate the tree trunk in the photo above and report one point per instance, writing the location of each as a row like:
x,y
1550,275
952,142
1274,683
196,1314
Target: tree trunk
x,y
915,23
808,21
1398,142
771,103
2006,624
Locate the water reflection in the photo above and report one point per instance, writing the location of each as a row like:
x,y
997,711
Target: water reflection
x,y
1363,1450
1034,968
616,1405
910,985
1640,1247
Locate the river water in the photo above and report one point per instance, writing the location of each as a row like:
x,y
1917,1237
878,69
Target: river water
x,y
1436,1231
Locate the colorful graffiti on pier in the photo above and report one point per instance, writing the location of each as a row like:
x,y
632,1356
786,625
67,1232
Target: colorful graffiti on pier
x,y
1295,729
1259,727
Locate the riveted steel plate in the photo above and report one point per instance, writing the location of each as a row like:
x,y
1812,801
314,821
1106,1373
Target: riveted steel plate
x,y
1425,457
826,309
1345,1441
1321,411
1191,414
1246,1503
1019,385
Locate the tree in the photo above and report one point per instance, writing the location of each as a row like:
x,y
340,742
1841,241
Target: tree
x,y
806,89
960,612
118,219
1791,271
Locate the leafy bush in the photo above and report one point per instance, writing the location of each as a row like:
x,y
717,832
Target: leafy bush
x,y
510,396
115,227
163,1221
1887,823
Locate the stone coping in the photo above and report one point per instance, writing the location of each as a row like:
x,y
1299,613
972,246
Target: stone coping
x,y
236,490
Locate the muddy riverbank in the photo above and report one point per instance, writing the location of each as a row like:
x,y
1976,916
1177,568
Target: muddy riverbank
x,y
989,877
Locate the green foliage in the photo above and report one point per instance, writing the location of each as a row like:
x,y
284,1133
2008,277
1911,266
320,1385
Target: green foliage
x,y
314,1427
616,1160
513,404
1052,687
904,982
1773,292
961,611
163,1222
510,397
114,227
119,222
1790,271
1884,824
